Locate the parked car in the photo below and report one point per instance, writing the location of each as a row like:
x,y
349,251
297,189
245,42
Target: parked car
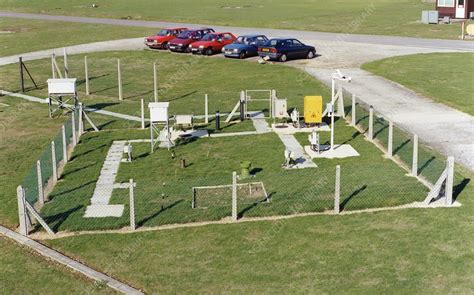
x,y
212,43
245,46
182,42
285,49
163,37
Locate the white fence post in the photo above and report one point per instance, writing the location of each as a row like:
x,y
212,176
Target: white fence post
x,y
119,80
53,69
234,196
40,183
371,123
206,108
86,73
143,113
53,161
390,139
337,190
414,165
449,181
63,131
23,219
353,112
132,206
155,82
73,127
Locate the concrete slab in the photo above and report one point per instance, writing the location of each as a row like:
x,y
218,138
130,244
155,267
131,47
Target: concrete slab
x,y
290,129
259,122
301,158
95,211
339,152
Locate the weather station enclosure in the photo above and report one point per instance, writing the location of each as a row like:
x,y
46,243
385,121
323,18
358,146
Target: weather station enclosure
x,y
59,88
159,115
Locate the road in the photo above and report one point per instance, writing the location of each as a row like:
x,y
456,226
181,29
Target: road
x,y
448,130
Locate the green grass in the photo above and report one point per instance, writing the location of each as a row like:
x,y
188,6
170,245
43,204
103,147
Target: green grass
x,y
422,251
163,192
386,17
444,77
183,80
39,35
23,272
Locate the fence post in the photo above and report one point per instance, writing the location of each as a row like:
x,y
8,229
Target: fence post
x,y
353,112
449,181
206,108
390,139
53,161
73,127
81,121
371,123
20,195
86,71
132,206
337,190
40,183
414,165
63,131
119,79
53,69
143,113
66,69
155,82
462,31
234,196
22,80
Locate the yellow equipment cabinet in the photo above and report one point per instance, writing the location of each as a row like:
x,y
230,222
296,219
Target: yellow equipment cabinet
x,y
313,109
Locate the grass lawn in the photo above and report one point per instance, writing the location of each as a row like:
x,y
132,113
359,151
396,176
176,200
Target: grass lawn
x,y
444,77
23,272
386,17
39,35
422,251
183,80
163,192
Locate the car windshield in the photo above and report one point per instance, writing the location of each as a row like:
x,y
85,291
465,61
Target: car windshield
x,y
163,32
209,37
273,42
185,35
242,40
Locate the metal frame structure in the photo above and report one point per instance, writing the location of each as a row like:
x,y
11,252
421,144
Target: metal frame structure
x,y
56,94
156,121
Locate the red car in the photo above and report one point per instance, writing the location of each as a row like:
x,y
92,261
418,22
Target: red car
x,y
212,43
181,43
162,38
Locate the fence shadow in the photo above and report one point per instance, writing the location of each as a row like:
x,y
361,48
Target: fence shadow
x,y
398,148
55,221
352,195
458,188
163,209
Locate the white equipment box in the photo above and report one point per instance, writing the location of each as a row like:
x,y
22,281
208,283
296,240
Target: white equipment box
x,y
184,119
62,86
159,111
279,108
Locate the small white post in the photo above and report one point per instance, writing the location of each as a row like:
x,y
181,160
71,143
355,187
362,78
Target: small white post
x,y
73,126
390,139
81,121
449,181
63,131
86,73
206,108
66,69
143,113
414,165
132,206
53,70
462,31
155,82
371,123
337,190
53,161
23,218
234,196
353,112
119,80
40,183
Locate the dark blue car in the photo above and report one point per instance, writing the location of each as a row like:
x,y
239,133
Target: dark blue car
x,y
244,46
283,49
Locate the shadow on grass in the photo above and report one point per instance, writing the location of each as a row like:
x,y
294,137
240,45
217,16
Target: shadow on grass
x,y
78,169
183,96
88,152
426,164
352,195
52,197
458,188
102,105
163,209
139,94
55,221
253,205
83,81
109,88
398,148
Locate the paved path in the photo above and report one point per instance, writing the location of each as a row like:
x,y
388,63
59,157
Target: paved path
x,y
441,127
64,260
259,122
105,185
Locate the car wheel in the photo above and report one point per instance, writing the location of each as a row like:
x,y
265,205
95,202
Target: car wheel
x,y
165,46
242,54
209,51
310,54
187,50
283,58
